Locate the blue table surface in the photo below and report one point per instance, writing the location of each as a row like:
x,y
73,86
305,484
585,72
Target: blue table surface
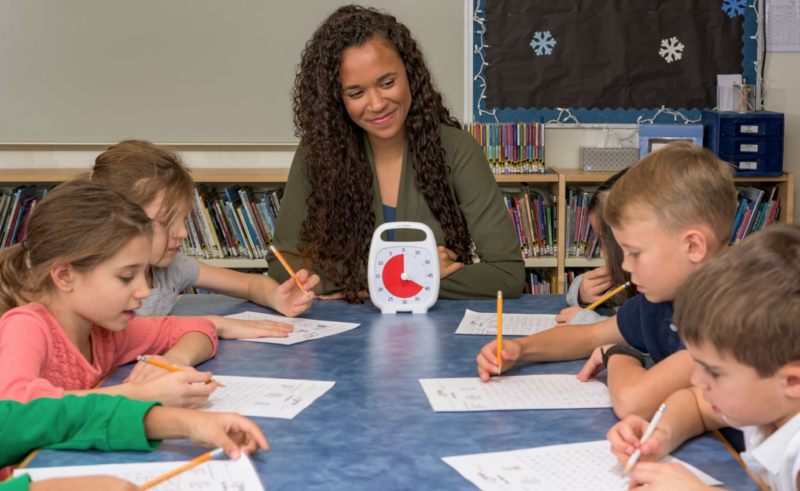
x,y
375,428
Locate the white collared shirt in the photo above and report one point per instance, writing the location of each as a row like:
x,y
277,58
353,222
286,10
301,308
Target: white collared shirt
x,y
774,456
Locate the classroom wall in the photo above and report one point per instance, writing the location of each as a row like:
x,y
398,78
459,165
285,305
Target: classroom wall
x,y
562,144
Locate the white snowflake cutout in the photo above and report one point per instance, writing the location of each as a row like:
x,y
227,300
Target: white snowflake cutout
x,y
734,7
543,43
672,49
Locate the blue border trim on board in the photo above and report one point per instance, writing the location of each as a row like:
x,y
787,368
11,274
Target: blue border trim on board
x,y
595,115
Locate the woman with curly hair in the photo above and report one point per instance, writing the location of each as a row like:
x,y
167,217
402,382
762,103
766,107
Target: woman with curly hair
x,y
377,144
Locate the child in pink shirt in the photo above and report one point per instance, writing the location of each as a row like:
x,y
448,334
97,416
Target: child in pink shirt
x,y
70,293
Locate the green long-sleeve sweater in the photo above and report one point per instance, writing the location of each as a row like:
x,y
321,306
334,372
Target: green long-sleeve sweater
x,y
478,199
72,422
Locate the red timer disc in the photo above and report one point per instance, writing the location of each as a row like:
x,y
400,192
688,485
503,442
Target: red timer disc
x,y
393,278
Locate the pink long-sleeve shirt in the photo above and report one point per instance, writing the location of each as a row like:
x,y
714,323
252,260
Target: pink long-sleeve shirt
x,y
37,359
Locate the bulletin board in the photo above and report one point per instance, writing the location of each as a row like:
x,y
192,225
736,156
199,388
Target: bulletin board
x,y
607,61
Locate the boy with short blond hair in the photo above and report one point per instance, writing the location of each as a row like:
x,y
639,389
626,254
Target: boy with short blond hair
x,y
670,213
739,316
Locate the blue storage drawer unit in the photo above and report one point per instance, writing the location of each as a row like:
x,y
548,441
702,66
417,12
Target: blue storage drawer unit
x,y
752,142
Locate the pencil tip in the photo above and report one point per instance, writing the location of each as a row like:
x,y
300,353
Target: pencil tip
x,y
626,470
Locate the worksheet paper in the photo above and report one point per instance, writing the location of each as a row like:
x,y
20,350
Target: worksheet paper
x,y
513,393
304,329
233,475
481,323
264,397
588,465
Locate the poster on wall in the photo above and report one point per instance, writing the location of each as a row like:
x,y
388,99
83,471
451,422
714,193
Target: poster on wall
x,y
606,61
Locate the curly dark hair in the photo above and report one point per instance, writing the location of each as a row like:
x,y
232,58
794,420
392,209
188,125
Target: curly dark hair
x,y
340,220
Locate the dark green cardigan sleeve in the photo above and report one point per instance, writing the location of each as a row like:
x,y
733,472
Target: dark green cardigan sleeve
x,y
94,421
501,266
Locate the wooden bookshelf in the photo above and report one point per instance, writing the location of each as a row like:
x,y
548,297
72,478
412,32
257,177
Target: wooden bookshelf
x,y
556,182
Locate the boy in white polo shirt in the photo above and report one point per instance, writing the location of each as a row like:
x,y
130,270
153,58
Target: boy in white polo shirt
x,y
739,317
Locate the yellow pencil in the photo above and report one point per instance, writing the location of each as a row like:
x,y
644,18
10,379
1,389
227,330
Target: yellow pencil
x,y
185,467
609,295
499,330
167,366
287,268
744,99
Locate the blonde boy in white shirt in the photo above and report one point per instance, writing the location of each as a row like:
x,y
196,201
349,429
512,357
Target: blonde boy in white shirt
x,y
739,316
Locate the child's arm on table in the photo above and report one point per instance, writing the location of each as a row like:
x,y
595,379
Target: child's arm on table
x,y
286,298
635,389
560,343
687,415
184,342
232,432
106,423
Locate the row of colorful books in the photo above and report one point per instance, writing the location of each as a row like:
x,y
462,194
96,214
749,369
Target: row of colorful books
x,y
754,211
581,240
527,166
232,223
16,206
539,282
509,141
533,212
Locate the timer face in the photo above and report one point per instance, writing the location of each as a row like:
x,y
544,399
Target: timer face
x,y
404,275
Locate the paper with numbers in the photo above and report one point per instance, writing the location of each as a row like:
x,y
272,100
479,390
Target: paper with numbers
x,y
513,393
304,329
233,475
264,397
513,324
588,465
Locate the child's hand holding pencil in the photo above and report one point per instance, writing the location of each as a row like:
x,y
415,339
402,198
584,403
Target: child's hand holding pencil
x,y
488,363
143,371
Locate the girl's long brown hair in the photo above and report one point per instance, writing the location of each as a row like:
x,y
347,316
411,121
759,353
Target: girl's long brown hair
x,y
611,248
80,223
340,220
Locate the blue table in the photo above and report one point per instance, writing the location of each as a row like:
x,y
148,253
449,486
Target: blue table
x,y
375,428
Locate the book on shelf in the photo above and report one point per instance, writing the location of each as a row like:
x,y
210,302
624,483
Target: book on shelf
x,y
233,223
757,208
539,282
533,214
511,148
581,239
16,206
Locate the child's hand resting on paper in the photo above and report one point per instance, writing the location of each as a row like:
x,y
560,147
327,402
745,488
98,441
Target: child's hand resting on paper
x,y
652,476
566,315
229,328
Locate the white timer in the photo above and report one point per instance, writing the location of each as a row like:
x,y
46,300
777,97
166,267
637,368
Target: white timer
x,y
403,276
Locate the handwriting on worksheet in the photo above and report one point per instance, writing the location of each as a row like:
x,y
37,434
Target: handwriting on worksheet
x,y
304,329
230,475
588,465
513,393
264,397
513,324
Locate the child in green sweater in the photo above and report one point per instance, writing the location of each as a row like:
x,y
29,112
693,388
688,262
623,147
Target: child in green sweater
x,y
111,423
